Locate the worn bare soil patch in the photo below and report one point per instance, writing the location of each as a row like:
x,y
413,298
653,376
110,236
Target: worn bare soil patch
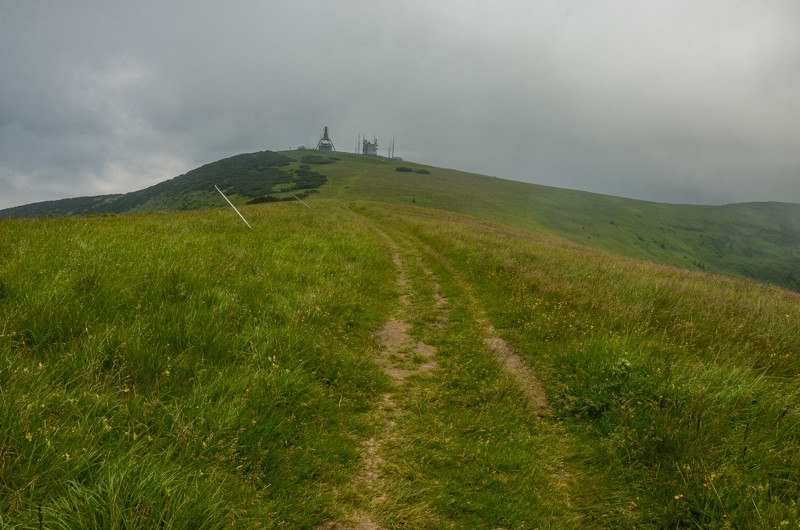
x,y
400,357
519,370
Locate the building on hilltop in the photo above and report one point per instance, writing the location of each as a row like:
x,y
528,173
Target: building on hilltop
x,y
325,143
369,148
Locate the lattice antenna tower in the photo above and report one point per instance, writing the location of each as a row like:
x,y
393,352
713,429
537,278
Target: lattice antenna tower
x,y
325,143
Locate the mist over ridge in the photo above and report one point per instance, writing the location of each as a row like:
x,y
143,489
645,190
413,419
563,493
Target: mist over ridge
x,y
673,103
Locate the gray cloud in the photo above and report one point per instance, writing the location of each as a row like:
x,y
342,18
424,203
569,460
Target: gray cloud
x,y
675,101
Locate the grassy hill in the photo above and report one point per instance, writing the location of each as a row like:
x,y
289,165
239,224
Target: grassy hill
x,y
755,240
374,363
250,176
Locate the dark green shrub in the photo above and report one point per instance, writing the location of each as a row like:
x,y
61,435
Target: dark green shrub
x,y
262,199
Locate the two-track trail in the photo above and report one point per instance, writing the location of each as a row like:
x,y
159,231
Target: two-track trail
x,y
463,437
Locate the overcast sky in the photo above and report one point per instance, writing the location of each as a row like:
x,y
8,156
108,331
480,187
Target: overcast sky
x,y
665,100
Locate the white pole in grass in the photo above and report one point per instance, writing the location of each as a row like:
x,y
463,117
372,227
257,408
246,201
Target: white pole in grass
x,y
234,207
301,200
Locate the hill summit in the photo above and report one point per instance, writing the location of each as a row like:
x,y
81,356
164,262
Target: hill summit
x,y
247,176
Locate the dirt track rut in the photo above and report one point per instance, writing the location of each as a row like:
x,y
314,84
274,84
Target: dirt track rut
x,y
404,359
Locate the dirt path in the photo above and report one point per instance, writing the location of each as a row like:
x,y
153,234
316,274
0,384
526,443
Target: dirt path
x,y
511,363
405,359
400,357
520,372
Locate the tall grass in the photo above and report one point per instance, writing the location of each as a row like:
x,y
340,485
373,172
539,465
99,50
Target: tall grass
x,y
182,370
468,451
683,386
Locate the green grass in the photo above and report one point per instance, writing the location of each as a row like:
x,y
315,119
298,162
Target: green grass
x,y
681,387
181,369
759,240
471,453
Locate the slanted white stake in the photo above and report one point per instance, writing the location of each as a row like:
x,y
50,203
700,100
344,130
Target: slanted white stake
x,y
234,207
301,200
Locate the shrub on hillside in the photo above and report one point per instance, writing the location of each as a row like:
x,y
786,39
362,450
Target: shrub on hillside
x,y
403,169
262,199
422,171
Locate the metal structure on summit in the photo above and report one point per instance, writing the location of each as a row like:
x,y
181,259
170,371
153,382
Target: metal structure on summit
x,y
369,148
325,143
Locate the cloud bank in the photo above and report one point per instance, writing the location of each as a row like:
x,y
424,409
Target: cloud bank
x,y
667,101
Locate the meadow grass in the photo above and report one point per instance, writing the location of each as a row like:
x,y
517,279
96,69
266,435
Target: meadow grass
x,y
756,240
681,385
183,370
469,452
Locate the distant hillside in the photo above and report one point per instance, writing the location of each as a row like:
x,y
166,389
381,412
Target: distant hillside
x,y
755,240
260,176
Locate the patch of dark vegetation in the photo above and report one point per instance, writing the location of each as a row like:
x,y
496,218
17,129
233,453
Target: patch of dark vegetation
x,y
403,169
263,198
247,176
422,171
317,159
304,178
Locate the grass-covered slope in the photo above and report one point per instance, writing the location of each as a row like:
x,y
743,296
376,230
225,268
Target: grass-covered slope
x,y
244,177
178,369
175,370
756,240
678,390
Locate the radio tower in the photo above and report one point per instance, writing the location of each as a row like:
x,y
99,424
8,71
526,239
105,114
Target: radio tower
x,y
325,143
